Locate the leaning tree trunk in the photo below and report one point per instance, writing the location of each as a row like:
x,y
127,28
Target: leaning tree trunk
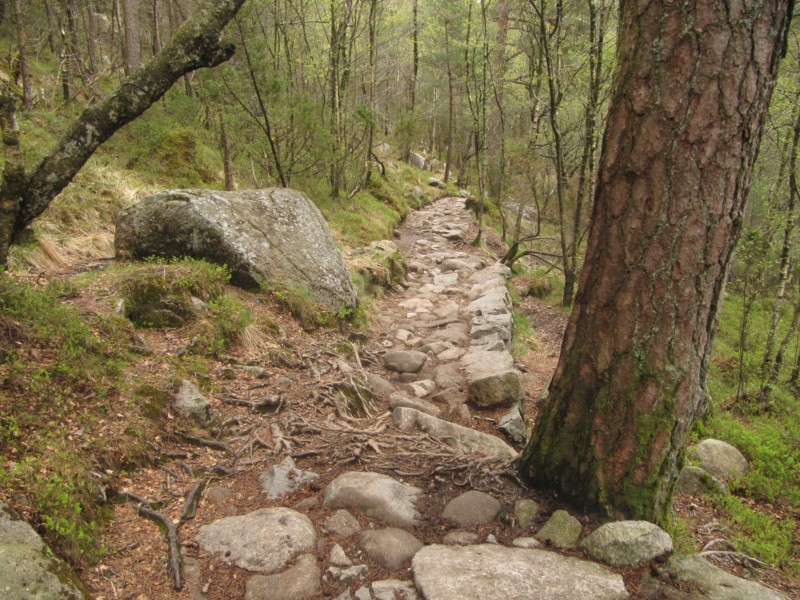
x,y
23,197
685,120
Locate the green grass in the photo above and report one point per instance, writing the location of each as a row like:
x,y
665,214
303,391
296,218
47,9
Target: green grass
x,y
61,382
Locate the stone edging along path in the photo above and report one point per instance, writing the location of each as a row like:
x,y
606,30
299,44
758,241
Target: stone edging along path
x,y
446,338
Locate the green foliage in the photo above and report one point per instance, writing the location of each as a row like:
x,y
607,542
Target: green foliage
x,y
524,339
62,494
759,535
159,293
222,325
60,380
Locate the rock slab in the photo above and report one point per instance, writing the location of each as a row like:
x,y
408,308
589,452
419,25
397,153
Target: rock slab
x,y
264,236
493,572
472,508
297,583
720,459
694,578
264,540
379,496
28,569
627,543
391,548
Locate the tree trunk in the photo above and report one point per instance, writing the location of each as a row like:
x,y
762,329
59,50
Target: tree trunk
x,y
131,51
770,366
692,89
225,149
24,69
451,101
195,45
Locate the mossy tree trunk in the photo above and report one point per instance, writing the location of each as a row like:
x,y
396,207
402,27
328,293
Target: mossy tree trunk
x,y
196,44
691,92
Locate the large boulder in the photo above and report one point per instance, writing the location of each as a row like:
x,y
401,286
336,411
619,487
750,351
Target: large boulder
x,y
264,236
28,569
719,459
627,543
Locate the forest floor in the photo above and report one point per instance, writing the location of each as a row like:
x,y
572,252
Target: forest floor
x,y
297,374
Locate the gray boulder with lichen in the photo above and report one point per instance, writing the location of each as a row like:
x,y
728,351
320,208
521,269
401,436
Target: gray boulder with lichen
x,y
263,236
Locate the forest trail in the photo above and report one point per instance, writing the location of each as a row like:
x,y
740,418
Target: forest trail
x,y
317,482
316,423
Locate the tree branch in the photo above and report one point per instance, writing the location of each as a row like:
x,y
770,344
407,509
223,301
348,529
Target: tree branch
x,y
196,44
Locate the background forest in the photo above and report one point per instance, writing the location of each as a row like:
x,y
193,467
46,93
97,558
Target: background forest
x,y
505,98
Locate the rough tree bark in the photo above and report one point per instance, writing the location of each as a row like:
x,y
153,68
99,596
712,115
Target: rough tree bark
x,y
24,197
692,89
131,50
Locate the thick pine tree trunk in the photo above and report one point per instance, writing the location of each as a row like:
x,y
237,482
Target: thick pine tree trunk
x,y
692,89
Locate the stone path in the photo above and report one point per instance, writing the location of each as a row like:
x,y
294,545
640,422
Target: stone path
x,y
446,338
395,490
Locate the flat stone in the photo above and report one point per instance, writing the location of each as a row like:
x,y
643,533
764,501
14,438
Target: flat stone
x,y
494,572
422,388
446,279
526,542
695,481
703,581
525,511
401,399
720,459
449,376
463,438
338,557
435,347
404,361
627,543
363,593
490,385
460,538
391,548
456,264
393,589
217,494
451,354
379,386
264,540
562,530
472,508
347,573
284,478
494,304
342,523
513,424
379,496
416,304
297,583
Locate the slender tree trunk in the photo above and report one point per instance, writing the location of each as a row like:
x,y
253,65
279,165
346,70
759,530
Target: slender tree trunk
x,y
156,27
227,157
52,26
267,127
770,367
451,103
682,135
24,68
131,49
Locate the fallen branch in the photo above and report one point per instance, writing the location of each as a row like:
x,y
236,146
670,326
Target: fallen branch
x,y
204,442
192,498
279,440
173,544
